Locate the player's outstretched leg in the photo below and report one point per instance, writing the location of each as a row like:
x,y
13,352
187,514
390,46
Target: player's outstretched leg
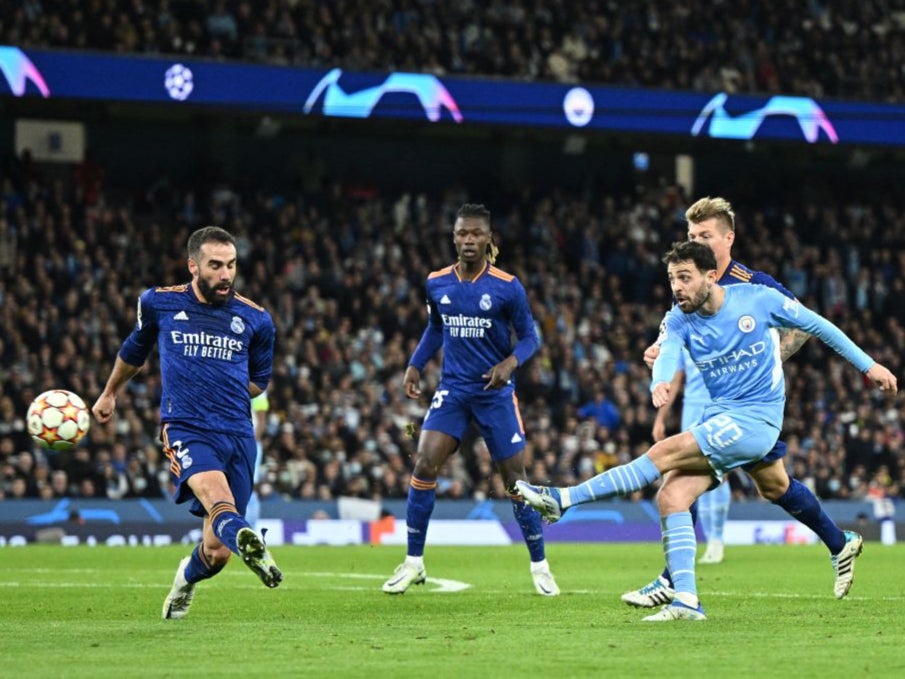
x,y
256,556
622,480
844,563
177,603
409,572
656,593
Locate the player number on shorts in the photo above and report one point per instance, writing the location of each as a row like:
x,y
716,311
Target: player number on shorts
x,y
722,431
437,400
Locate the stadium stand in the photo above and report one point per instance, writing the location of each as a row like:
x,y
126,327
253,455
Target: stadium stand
x,y
817,48
343,279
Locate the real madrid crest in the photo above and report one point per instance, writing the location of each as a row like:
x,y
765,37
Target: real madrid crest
x,y
485,302
746,323
237,325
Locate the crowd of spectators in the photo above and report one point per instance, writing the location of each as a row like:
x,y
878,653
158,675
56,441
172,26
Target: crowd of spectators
x,y
343,278
845,48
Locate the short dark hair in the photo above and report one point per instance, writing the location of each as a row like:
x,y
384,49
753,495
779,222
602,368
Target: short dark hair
x,y
207,234
474,210
691,251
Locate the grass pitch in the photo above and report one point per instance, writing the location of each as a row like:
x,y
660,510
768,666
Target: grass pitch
x,y
95,612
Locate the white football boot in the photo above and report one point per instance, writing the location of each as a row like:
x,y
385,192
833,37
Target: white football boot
x,y
177,603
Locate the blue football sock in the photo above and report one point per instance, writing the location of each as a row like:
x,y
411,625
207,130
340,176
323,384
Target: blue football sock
x,y
694,519
802,504
622,480
528,519
226,522
198,567
418,509
680,547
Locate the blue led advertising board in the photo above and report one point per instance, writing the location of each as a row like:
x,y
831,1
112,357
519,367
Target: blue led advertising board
x,y
445,100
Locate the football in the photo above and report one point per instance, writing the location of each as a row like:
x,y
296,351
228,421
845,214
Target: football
x,y
58,419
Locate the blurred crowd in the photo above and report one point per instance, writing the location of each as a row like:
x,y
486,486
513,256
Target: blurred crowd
x,y
817,48
343,277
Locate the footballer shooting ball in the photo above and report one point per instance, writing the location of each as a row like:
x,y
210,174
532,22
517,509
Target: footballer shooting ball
x,y
58,419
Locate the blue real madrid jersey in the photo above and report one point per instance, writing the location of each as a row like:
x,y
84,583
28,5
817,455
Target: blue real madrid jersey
x,y
208,355
474,321
695,395
737,348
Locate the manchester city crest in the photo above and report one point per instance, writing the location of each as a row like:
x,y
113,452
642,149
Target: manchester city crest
x,y
746,323
237,325
485,302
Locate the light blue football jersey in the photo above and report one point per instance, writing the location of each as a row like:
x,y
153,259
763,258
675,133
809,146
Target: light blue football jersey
x,y
737,348
695,396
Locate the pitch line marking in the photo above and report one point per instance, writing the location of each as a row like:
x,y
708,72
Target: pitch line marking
x,y
440,585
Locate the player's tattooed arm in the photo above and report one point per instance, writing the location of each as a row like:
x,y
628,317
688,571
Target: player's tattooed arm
x,y
790,341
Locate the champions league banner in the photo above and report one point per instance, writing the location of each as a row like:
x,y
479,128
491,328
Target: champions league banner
x,y
157,522
432,99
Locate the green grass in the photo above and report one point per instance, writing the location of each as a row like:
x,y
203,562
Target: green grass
x,y
95,612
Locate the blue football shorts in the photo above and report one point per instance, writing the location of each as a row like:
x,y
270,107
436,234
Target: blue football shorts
x,y
495,412
738,437
191,450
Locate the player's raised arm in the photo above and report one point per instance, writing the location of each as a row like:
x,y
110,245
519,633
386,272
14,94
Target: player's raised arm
x,y
791,313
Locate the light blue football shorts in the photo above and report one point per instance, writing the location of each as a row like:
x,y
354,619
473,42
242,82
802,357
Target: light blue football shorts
x,y
731,437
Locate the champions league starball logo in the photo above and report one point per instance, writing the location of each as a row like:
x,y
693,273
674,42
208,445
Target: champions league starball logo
x,y
179,82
